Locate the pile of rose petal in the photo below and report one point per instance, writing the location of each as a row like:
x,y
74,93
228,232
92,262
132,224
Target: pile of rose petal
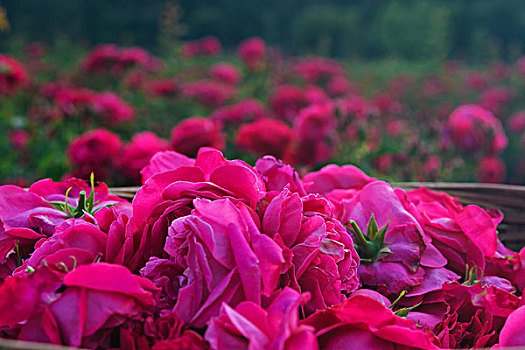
x,y
215,253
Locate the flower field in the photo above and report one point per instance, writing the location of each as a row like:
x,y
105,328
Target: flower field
x,y
118,106
262,220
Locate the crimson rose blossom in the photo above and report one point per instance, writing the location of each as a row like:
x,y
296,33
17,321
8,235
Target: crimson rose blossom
x,y
474,128
364,322
95,300
463,234
196,132
265,136
13,75
27,216
466,316
112,108
226,72
167,195
321,255
252,52
315,134
491,170
137,154
161,87
249,326
243,111
93,151
287,100
224,257
209,93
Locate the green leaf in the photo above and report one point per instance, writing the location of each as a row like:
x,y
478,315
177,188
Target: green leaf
x,y
372,228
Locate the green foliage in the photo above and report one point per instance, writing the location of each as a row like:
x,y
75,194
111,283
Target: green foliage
x,y
329,30
479,30
418,30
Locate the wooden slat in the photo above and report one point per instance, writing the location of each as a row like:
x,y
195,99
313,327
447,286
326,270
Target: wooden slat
x,y
7,344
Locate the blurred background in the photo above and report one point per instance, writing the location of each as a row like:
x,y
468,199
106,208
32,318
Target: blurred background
x,y
477,30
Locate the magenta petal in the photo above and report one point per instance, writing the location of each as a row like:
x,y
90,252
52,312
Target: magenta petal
x,y
479,227
257,338
390,278
512,333
271,261
23,233
209,159
432,257
434,279
109,278
248,265
165,161
16,204
245,182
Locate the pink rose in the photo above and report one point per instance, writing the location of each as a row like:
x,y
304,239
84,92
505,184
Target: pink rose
x,y
474,315
252,52
463,234
321,252
265,136
13,75
164,161
278,175
19,139
512,332
168,195
366,323
333,177
474,128
315,70
94,301
516,122
491,170
196,132
241,112
315,132
226,73
27,216
410,257
137,154
209,93
224,257
287,100
249,326
112,108
162,88
95,150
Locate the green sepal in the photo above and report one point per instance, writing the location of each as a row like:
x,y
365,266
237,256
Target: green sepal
x,y
403,312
